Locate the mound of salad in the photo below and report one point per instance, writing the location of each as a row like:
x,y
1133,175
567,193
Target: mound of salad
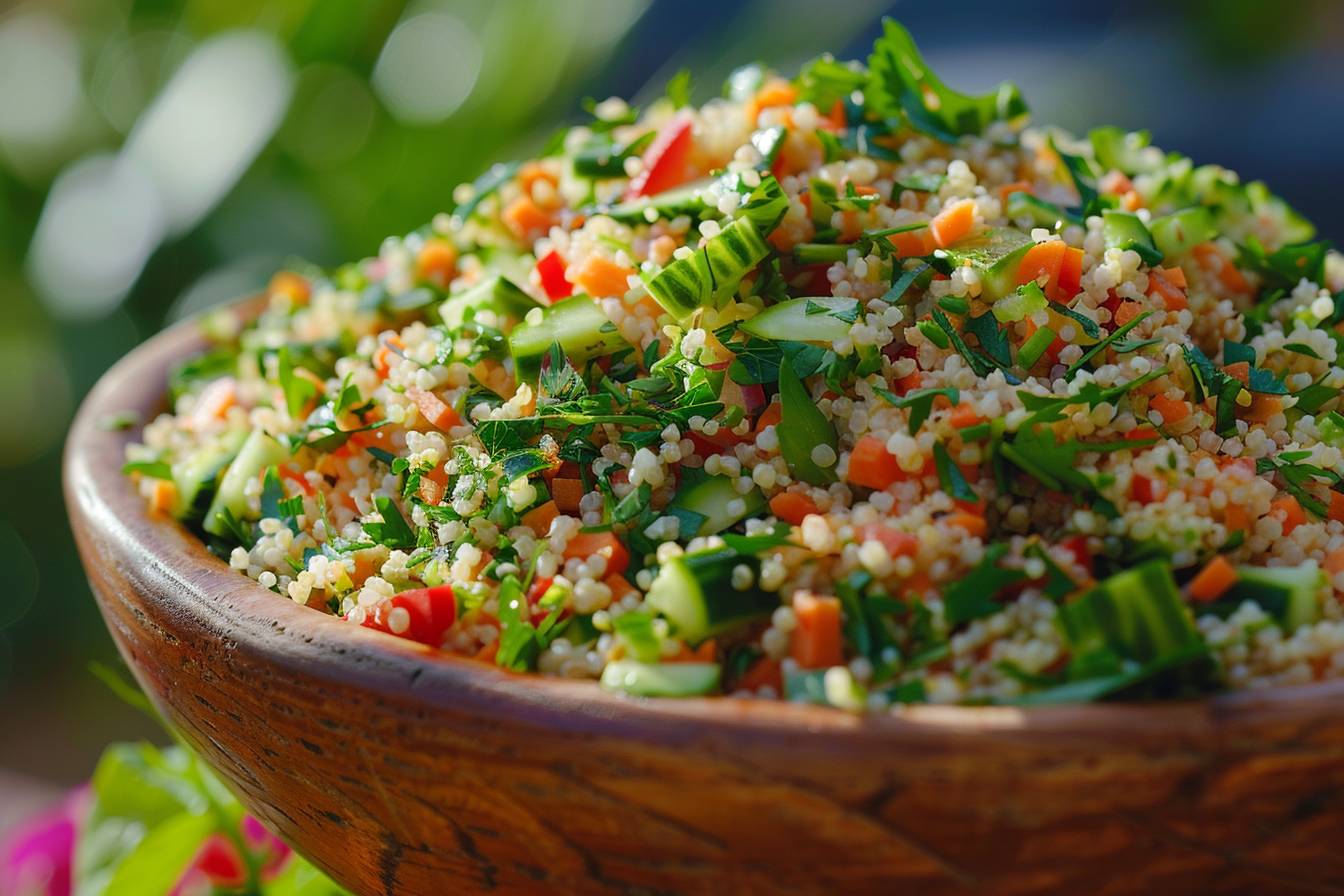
x,y
849,389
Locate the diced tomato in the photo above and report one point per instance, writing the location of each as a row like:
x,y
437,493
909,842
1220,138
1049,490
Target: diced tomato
x,y
872,465
1077,545
665,161
1145,490
897,543
551,270
603,544
432,612
792,507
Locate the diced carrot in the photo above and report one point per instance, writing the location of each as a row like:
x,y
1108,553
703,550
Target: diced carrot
x,y
704,652
294,286
487,653
602,544
436,412
974,524
1070,281
1042,260
913,243
791,507
430,491
1334,562
775,92
1240,371
436,262
1213,580
765,672
897,543
300,481
1017,186
1127,312
1263,407
525,219
214,401
1140,434
953,223
1173,297
162,496
383,357
816,639
1173,410
1176,276
963,415
539,518
567,493
620,587
1212,259
872,465
1289,511
532,172
1336,511
1132,201
1236,519
1116,183
603,278
773,413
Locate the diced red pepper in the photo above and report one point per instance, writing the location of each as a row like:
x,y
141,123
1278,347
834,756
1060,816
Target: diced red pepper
x,y
551,270
1077,545
432,612
664,161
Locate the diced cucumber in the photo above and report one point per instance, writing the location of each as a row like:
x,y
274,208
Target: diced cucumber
x,y
667,204
766,203
1122,151
995,255
1123,230
498,294
1176,234
715,498
695,593
1137,613
577,323
1292,594
1038,211
196,475
257,453
710,274
805,686
1019,305
819,319
661,679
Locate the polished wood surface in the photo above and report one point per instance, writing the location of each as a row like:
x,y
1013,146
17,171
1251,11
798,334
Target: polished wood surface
x,y
403,772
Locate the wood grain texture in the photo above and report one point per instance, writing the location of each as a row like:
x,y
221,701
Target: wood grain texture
x,y
403,772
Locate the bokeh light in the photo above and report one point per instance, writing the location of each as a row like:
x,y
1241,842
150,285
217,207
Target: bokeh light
x,y
428,67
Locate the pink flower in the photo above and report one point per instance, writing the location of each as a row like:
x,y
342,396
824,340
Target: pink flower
x,y
38,858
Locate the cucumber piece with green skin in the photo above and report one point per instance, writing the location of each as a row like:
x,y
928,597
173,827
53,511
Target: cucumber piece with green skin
x,y
497,294
1123,151
1038,211
818,319
1123,230
577,323
695,593
196,475
1176,234
1290,593
1137,613
257,453
661,679
719,503
996,256
712,272
683,200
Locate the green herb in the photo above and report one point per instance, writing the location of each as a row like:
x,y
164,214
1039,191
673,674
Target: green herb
x,y
920,403
825,81
393,531
1088,324
521,642
1298,476
918,183
802,428
900,82
903,282
950,477
678,90
972,596
1109,340
154,469
298,390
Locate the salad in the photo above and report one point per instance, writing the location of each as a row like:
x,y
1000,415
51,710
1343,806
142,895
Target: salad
x,y
849,389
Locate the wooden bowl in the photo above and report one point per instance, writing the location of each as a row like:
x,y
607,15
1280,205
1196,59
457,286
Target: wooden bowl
x,y
401,771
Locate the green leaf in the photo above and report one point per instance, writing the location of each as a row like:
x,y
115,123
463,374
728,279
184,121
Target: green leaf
x,y
157,861
393,531
825,81
993,338
298,390
679,89
803,427
950,476
972,596
920,403
900,82
904,281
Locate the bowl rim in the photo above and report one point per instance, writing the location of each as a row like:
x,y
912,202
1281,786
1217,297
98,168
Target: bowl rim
x,y
108,511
